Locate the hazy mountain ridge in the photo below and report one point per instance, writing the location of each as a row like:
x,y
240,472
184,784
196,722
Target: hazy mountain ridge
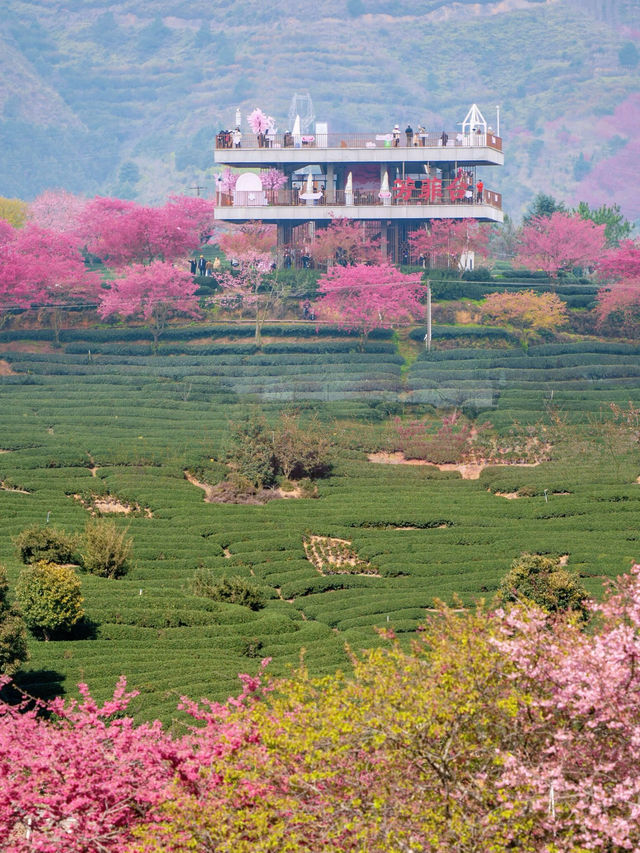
x,y
126,98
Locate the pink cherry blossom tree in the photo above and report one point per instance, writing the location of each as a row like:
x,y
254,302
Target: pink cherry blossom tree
x,y
122,232
560,242
346,243
40,266
248,289
365,297
57,210
7,231
583,774
446,240
228,180
260,122
248,240
622,262
153,293
619,305
273,179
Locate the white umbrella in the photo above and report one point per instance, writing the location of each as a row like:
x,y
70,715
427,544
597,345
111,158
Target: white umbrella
x,y
297,133
308,195
348,190
384,195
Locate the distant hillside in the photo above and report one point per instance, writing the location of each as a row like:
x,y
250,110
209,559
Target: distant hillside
x,y
126,97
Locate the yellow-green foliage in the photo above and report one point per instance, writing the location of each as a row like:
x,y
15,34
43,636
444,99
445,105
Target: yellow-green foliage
x,y
401,756
107,549
49,597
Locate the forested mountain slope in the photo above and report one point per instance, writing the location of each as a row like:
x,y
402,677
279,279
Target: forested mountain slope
x,y
125,97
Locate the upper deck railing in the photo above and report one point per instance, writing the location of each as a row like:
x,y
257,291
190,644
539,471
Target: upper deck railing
x,y
406,192
416,140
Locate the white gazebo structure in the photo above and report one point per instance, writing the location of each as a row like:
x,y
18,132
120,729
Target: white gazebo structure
x,y
248,190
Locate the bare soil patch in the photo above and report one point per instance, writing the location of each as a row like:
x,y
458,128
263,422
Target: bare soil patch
x,y
467,470
111,505
5,368
228,493
332,556
7,487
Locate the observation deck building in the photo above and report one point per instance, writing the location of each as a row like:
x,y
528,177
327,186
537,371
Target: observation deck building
x,y
393,182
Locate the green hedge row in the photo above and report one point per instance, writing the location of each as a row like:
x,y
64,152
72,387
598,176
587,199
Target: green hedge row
x,y
488,332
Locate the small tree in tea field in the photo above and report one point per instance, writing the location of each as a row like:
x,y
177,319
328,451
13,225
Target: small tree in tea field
x,y
49,598
13,636
542,580
107,549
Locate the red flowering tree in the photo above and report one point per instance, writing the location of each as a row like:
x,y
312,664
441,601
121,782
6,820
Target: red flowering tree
x,y
618,306
249,240
445,241
7,232
40,266
622,262
365,297
344,242
122,232
153,293
560,242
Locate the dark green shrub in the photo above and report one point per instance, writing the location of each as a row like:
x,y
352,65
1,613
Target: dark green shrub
x,y
36,543
13,635
234,590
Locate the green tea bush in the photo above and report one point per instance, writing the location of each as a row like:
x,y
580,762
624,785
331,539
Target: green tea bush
x,y
234,590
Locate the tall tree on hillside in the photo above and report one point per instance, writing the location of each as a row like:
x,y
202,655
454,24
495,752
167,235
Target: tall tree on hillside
x,y
153,293
363,297
616,227
544,206
345,242
559,243
445,241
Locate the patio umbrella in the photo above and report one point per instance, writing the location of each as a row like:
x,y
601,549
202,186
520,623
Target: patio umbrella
x,y
384,195
308,194
348,190
297,133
